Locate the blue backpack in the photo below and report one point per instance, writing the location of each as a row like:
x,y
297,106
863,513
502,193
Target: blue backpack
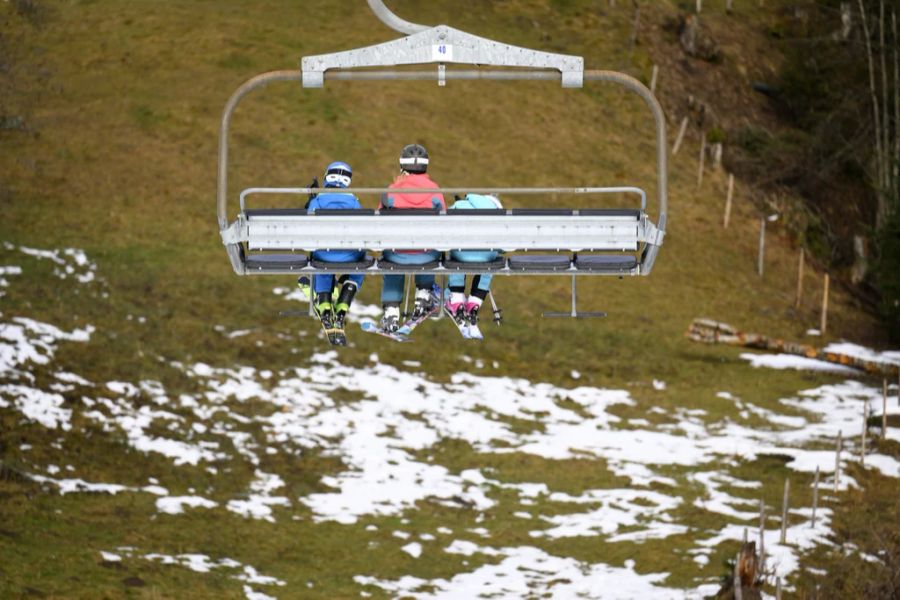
x,y
477,201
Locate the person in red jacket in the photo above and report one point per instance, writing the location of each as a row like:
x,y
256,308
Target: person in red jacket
x,y
413,174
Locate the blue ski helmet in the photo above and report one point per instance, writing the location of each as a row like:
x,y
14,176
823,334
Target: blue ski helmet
x,y
338,174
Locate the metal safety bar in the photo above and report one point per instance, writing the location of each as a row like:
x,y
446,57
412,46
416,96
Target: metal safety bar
x,y
453,190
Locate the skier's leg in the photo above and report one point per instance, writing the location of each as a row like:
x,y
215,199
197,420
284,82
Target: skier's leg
x,y
351,284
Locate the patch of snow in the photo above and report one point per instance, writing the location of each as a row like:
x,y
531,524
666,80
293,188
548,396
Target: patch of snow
x,y
800,363
173,505
531,572
414,549
259,502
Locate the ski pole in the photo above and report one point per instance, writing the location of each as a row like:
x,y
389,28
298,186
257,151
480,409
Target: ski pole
x,y
498,312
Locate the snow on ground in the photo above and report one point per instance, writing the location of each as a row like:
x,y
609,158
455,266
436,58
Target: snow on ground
x,y
800,363
201,563
527,571
385,439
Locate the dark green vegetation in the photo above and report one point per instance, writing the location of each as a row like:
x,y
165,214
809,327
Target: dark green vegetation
x,y
110,113
837,153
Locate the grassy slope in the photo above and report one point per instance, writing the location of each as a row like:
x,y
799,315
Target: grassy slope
x,y
122,101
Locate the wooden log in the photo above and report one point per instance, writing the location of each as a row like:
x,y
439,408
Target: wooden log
x,y
784,510
800,267
680,137
714,332
728,201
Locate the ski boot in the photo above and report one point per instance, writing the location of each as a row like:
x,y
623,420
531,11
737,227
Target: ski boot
x,y
456,305
325,313
472,318
341,308
425,302
303,286
390,321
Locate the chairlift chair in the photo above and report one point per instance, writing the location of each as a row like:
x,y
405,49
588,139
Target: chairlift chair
x,y
586,241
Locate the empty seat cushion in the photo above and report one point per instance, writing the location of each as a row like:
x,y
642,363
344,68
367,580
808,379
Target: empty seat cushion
x,y
356,265
539,262
605,262
491,265
276,262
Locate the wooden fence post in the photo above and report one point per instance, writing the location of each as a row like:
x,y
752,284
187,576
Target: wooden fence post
x,y
865,430
884,409
762,535
680,137
837,462
762,245
800,267
815,497
653,75
702,159
728,6
738,591
784,510
728,201
823,324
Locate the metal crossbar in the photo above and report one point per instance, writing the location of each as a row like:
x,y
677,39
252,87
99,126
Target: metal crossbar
x,y
443,232
451,190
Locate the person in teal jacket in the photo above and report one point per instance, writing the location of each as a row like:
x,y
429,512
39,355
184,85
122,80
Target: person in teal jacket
x,y
458,305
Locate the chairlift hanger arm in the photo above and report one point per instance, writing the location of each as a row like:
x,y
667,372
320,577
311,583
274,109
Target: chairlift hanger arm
x,y
444,45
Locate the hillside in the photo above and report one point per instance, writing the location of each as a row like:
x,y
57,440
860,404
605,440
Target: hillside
x,y
249,452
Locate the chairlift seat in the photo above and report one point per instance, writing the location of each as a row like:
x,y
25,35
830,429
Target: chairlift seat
x,y
497,264
610,263
386,265
276,263
540,263
359,265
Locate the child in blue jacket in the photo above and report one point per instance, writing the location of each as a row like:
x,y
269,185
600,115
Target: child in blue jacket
x,y
337,175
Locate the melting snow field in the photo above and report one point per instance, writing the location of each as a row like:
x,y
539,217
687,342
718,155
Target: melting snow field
x,y
384,438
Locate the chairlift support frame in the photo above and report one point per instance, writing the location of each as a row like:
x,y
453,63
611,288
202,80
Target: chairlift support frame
x,y
574,231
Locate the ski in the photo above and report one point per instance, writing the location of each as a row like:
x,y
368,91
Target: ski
x,y
370,327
